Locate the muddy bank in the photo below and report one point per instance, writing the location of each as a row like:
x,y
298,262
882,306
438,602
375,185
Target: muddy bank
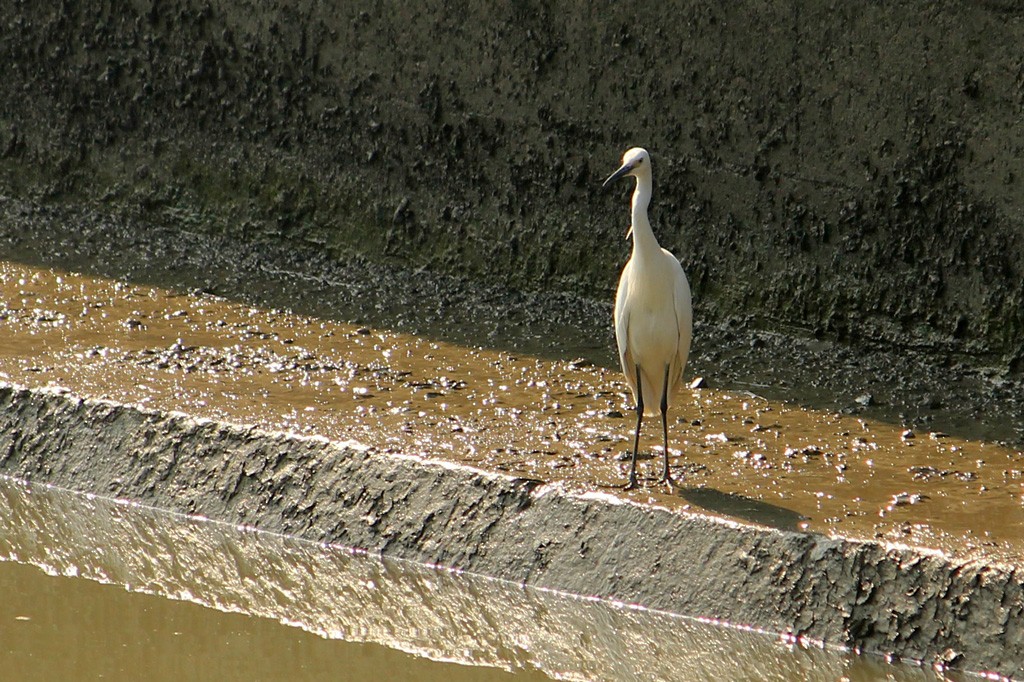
x,y
923,388
554,420
877,597
840,176
850,172
489,460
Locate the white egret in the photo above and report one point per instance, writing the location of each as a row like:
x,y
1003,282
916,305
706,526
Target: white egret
x,y
653,312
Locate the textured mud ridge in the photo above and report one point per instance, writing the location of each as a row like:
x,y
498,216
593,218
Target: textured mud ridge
x,y
847,171
345,595
876,597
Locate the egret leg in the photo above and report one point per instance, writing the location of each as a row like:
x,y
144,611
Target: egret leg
x,y
636,439
666,476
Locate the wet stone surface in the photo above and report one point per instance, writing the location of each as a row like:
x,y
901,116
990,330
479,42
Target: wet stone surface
x,y
737,454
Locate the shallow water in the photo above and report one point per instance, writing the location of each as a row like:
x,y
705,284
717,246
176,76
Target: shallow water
x,y
127,592
736,454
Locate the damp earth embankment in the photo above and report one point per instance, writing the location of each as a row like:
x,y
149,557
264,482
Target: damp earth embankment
x,y
834,173
845,171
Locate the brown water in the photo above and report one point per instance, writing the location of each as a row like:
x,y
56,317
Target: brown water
x,y
737,454
128,593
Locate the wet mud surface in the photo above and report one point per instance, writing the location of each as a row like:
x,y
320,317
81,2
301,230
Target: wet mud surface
x,y
924,389
566,421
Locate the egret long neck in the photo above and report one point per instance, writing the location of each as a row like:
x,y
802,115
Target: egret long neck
x,y
644,240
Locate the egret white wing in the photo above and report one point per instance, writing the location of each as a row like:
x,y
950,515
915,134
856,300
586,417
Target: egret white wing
x,y
622,327
684,313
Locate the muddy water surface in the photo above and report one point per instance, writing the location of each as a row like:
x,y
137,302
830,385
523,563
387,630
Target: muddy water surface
x,y
736,454
122,590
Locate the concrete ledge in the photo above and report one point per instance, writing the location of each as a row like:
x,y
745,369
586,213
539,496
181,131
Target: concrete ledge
x,y
898,600
337,594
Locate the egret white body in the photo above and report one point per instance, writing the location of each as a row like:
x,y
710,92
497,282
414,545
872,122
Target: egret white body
x,y
653,312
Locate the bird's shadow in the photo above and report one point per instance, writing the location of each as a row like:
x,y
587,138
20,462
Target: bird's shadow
x,y
743,508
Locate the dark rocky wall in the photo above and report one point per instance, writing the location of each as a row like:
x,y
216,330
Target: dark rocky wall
x,y
842,168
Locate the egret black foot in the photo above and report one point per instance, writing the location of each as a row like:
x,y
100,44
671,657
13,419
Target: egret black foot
x,y
666,475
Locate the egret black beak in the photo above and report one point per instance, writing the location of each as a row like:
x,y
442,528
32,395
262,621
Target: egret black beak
x,y
624,170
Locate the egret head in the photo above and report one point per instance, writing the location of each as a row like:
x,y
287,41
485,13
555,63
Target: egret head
x,y
635,162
